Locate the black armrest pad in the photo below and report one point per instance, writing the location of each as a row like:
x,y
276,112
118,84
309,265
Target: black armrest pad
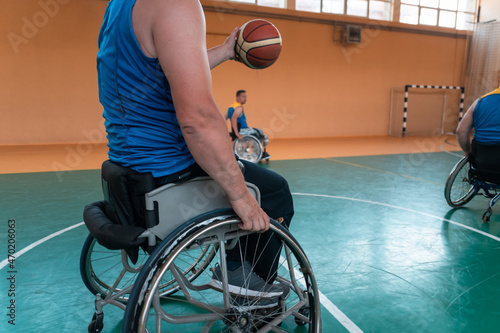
x,y
108,234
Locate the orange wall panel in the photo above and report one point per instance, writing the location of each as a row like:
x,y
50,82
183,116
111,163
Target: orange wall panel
x,y
317,88
48,90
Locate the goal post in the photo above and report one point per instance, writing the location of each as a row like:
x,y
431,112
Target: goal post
x,y
424,106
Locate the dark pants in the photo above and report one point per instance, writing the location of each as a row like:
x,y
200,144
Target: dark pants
x,y
276,200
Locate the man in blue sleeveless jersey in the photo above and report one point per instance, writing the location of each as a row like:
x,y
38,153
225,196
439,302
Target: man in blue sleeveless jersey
x,y
239,121
160,115
484,117
236,115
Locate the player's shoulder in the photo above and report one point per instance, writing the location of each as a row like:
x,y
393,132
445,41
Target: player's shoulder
x,y
181,18
172,6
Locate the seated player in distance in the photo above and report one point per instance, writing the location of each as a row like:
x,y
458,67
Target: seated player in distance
x,y
236,115
484,117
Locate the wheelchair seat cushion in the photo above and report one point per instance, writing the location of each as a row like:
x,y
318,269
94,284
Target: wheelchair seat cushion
x,y
108,234
485,160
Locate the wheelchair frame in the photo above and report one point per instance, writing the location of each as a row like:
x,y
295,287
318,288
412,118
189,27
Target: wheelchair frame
x,y
168,289
464,183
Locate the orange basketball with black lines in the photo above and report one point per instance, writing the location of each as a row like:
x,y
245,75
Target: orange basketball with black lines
x,y
258,44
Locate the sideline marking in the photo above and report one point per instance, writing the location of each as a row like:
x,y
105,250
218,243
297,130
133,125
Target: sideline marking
x,y
327,304
38,242
402,208
451,152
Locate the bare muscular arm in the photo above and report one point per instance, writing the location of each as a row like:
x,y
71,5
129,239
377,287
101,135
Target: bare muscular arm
x,y
464,129
178,34
223,52
234,121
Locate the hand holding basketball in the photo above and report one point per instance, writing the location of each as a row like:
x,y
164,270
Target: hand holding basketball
x,y
258,44
230,43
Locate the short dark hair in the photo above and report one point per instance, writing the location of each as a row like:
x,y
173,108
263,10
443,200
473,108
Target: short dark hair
x,y
239,92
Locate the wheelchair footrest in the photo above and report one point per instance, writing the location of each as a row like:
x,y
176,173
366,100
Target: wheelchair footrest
x,y
108,234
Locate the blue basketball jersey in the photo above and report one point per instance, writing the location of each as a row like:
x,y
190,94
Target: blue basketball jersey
x,y
486,118
242,119
143,131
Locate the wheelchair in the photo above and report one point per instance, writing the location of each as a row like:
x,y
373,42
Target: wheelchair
x,y
250,148
478,173
152,252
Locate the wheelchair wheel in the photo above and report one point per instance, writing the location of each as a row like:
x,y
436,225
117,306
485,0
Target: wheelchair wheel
x,y
458,189
102,268
197,307
248,148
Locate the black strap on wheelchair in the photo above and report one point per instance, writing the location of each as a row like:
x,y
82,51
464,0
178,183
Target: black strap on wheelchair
x,y
190,172
124,190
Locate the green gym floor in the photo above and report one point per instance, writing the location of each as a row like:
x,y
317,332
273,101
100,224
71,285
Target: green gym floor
x,y
387,251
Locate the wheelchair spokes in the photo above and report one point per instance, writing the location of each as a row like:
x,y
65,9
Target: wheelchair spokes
x,y
107,272
459,189
464,182
192,263
196,306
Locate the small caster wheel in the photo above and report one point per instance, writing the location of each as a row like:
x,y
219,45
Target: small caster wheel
x,y
304,312
486,215
97,323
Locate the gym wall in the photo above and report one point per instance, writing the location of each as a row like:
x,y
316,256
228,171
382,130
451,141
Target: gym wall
x,y
317,88
490,10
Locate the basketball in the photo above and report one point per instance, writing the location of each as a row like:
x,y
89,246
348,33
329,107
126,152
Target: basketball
x,y
258,44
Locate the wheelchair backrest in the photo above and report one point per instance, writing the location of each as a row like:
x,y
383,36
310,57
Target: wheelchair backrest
x,y
485,158
124,190
175,204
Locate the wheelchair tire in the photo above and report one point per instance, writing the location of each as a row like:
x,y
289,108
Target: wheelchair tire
x,y
196,307
100,268
458,189
248,148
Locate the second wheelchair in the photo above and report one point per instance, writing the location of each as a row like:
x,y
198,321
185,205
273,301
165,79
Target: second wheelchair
x,y
478,173
251,147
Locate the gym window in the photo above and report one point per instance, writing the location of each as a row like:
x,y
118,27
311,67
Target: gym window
x,y
457,14
374,9
443,13
266,3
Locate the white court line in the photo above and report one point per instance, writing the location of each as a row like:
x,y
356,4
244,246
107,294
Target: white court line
x,y
38,242
327,304
402,208
336,312
449,152
459,154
